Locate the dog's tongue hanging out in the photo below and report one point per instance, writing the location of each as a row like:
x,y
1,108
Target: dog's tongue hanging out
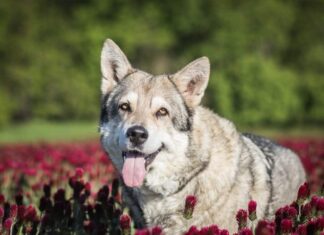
x,y
134,170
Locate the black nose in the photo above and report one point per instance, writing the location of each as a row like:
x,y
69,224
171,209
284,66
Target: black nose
x,y
137,135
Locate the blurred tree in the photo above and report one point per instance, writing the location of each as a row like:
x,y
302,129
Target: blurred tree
x,y
267,56
305,54
256,90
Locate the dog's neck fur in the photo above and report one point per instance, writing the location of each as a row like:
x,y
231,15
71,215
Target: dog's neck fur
x,y
167,212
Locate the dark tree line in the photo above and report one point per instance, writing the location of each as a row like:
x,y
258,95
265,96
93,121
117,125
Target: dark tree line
x,y
267,56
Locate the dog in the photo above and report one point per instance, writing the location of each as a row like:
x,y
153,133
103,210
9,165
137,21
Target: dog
x,y
166,146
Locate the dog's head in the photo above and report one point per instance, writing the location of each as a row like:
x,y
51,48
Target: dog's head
x,y
146,120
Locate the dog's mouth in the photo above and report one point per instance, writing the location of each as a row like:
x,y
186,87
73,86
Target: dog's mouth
x,y
135,166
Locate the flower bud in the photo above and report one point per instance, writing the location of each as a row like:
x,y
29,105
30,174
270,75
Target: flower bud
x,y
13,211
265,227
252,210
7,224
124,223
320,223
79,173
320,206
302,229
156,231
224,232
303,193
292,213
192,231
213,229
286,226
30,213
191,201
21,211
245,231
241,218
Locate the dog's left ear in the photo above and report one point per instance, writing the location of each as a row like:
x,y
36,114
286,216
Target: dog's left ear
x,y
192,81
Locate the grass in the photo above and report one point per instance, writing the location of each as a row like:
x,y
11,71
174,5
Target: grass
x,y
37,131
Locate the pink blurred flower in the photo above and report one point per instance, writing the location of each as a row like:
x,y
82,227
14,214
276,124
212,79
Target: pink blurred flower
x,y
30,213
13,211
21,211
87,186
8,223
79,172
306,210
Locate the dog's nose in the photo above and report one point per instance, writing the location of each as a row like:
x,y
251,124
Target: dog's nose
x,y
137,135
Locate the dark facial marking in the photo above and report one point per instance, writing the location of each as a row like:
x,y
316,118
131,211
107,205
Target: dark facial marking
x,y
103,112
178,124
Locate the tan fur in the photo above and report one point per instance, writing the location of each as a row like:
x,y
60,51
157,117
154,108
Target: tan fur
x,y
202,153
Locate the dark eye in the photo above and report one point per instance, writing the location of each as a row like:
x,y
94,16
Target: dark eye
x,y
162,112
125,107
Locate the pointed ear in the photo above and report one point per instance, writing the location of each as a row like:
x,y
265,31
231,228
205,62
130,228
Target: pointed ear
x,y
192,81
114,66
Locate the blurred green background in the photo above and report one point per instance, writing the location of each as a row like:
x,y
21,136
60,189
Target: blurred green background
x,y
267,59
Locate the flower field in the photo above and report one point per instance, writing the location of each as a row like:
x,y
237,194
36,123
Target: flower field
x,y
71,189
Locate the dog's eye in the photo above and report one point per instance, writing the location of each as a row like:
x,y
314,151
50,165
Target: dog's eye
x,y
162,112
125,107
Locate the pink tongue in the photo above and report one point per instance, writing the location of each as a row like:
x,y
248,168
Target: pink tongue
x,y
134,171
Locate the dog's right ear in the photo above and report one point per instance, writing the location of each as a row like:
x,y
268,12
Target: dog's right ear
x,y
114,66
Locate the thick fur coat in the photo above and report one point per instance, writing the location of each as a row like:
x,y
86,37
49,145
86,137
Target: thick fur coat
x,y
166,147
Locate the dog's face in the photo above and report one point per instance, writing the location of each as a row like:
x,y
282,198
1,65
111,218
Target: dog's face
x,y
146,120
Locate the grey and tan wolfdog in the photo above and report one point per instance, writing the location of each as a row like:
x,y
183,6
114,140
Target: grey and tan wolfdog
x,y
166,146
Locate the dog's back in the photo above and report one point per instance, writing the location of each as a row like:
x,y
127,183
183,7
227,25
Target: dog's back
x,y
285,172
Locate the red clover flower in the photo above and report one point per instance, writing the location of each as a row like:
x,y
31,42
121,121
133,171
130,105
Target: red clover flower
x,y
124,223
286,226
241,218
156,230
191,201
303,193
252,210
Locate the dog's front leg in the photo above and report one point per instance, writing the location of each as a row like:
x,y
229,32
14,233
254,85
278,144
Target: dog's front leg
x,y
130,199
